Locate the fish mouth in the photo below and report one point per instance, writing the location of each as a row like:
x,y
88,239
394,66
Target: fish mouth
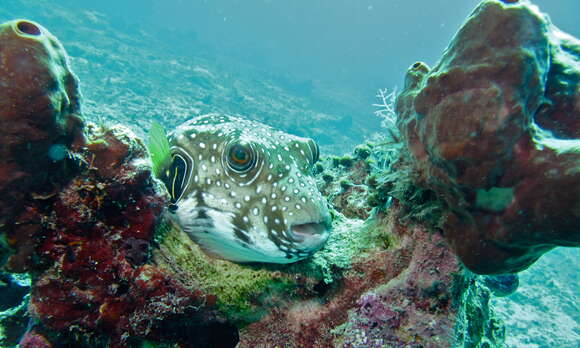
x,y
309,235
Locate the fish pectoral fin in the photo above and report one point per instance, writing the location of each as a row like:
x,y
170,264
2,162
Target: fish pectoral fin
x,y
159,149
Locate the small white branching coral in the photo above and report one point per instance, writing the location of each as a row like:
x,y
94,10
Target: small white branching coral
x,y
386,111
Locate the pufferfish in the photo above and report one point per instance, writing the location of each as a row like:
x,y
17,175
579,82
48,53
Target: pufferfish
x,y
242,190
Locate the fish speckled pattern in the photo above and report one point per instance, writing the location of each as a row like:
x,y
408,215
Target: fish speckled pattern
x,y
244,191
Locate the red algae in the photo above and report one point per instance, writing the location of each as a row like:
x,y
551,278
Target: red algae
x,y
79,206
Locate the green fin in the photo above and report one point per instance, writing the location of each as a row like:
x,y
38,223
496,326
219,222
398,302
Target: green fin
x,y
159,149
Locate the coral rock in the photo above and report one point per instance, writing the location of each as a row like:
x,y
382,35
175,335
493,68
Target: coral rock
x,y
95,246
412,293
493,129
39,122
39,108
79,208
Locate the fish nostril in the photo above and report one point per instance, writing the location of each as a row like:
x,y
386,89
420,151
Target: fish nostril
x,y
28,28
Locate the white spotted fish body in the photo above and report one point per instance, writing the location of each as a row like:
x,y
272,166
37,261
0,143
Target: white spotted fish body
x,y
244,191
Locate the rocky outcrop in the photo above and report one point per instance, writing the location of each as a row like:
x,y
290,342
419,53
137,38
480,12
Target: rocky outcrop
x,y
493,130
79,208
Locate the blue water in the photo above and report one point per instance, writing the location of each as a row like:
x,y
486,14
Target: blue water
x,y
330,56
364,45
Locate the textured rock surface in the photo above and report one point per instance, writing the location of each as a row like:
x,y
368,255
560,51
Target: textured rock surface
x,y
39,107
79,210
493,129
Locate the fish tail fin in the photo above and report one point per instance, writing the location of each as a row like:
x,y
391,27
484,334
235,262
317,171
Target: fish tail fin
x,y
158,148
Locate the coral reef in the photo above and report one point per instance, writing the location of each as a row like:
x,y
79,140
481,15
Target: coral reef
x,y
399,286
82,214
349,192
108,270
409,293
79,209
39,112
493,130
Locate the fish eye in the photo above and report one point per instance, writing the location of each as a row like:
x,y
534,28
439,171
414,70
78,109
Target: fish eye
x,y
314,150
240,157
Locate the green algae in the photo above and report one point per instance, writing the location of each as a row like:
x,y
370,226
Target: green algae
x,y
328,178
245,292
241,289
362,152
345,242
345,161
345,184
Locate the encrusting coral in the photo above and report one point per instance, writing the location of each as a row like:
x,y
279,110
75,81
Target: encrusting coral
x,y
493,130
79,207
39,114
